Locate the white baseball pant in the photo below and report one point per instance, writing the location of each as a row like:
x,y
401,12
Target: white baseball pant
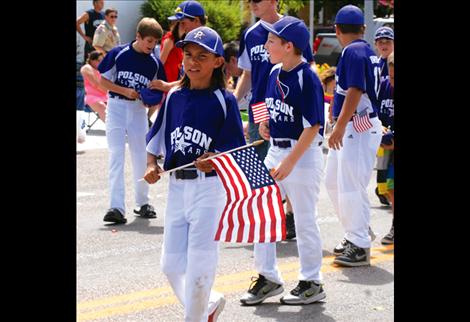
x,y
302,186
126,118
190,254
348,172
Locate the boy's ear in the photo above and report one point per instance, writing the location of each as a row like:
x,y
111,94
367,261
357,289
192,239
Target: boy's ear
x,y
219,61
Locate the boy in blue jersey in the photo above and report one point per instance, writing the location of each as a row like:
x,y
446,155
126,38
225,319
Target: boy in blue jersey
x,y
199,117
294,97
386,115
254,61
384,43
355,137
125,70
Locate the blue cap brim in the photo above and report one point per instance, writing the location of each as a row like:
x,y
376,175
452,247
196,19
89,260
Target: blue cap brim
x,y
181,43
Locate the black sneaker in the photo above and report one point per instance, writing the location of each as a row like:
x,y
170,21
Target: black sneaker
x,y
259,290
382,198
146,211
306,292
340,248
290,226
353,256
389,238
115,216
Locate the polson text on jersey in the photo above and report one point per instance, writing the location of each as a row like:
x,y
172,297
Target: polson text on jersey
x,y
190,135
279,110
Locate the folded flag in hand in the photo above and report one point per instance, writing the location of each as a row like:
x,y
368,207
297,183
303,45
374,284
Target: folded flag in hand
x,y
361,121
254,212
260,112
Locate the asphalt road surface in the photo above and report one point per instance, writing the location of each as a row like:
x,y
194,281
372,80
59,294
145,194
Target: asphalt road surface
x,y
119,278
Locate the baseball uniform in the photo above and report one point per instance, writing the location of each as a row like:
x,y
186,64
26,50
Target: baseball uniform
x,y
254,58
125,117
295,101
190,123
349,169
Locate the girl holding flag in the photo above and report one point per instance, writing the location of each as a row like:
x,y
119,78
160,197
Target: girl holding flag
x,y
198,118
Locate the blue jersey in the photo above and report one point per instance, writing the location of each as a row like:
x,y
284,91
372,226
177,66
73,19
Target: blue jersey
x,y
125,67
386,111
383,69
192,122
254,58
295,101
358,67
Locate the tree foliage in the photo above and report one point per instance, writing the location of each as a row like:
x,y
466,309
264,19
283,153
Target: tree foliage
x,y
224,16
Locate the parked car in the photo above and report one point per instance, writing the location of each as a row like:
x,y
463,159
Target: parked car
x,y
327,48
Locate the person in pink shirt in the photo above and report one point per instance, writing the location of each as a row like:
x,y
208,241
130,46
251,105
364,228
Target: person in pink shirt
x,y
96,96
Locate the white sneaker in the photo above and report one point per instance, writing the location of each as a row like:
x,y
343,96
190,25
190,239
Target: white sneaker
x,y
215,308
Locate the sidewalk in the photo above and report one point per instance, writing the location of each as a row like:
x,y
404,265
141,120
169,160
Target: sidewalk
x,y
96,137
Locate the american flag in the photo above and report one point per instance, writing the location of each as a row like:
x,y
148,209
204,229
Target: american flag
x,y
253,212
361,121
260,112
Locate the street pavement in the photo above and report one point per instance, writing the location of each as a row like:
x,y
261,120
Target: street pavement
x,y
119,279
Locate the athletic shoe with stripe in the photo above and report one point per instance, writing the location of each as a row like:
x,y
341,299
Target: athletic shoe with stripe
x,y
353,256
260,289
306,292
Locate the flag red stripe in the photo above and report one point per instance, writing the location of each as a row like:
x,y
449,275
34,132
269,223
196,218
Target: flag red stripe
x,y
241,221
270,201
217,165
230,211
262,226
251,216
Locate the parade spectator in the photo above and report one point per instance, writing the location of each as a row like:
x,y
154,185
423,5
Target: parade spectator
x,y
327,78
232,71
80,105
107,35
91,18
95,94
170,55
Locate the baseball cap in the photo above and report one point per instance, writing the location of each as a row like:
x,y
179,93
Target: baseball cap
x,y
384,32
291,29
190,9
205,37
150,96
349,15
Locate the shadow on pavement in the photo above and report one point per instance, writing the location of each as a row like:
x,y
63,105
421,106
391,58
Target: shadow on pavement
x,y
96,132
283,249
141,225
370,275
310,312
